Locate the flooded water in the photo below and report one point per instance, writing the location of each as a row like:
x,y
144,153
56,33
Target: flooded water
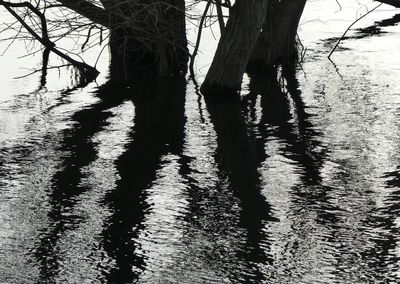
x,y
295,181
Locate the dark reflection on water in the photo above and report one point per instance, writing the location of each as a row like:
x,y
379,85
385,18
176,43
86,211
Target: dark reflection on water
x,y
239,154
154,183
383,258
376,29
158,131
384,221
67,185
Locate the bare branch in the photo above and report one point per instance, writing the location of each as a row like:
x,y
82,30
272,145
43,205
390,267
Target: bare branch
x,y
44,39
370,11
92,12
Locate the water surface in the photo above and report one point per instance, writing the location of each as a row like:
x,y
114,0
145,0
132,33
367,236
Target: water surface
x,y
295,181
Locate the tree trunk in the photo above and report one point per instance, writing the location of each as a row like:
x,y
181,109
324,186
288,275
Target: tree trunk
x,y
150,40
234,48
277,41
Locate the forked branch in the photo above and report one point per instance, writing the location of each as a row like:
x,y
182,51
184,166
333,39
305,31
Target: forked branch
x,y
44,38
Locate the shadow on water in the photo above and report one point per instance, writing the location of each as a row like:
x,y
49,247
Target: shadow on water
x,y
312,205
239,156
159,123
159,130
79,152
376,28
284,111
383,220
310,153
241,151
372,30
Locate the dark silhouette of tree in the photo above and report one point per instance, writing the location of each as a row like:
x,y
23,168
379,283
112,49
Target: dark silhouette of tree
x,y
234,48
148,36
277,40
142,34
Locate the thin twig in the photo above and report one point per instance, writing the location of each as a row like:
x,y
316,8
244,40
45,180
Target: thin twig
x,y
344,34
196,48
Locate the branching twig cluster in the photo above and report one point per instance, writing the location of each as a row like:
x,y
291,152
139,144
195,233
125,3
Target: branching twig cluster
x,y
89,23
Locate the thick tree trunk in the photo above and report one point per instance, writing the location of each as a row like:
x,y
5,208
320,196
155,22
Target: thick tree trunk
x,y
277,41
234,48
150,40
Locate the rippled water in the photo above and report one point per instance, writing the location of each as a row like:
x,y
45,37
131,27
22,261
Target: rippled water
x,y
296,181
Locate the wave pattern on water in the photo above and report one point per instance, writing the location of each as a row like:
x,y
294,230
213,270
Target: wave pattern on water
x,y
295,181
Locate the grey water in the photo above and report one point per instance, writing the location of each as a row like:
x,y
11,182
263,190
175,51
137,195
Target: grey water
x,y
297,180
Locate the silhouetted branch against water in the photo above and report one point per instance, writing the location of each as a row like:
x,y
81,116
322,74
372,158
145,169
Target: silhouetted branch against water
x,y
199,32
202,24
44,38
349,27
147,35
139,28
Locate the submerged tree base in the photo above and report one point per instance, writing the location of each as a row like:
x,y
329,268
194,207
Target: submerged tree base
x,y
240,35
277,41
214,89
258,35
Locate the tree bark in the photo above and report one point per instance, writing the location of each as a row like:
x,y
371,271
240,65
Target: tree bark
x,y
234,48
85,8
277,41
150,38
